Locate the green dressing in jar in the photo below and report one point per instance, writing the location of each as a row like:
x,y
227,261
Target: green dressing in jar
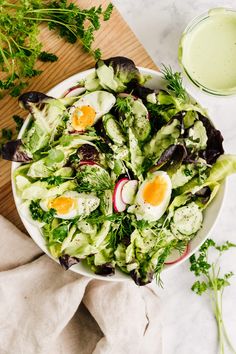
x,y
207,51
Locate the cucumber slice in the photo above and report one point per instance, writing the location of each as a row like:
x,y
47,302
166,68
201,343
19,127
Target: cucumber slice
x,y
141,124
113,129
178,234
128,191
187,219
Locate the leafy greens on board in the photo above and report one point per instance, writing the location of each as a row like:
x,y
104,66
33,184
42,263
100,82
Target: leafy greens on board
x,y
20,46
120,175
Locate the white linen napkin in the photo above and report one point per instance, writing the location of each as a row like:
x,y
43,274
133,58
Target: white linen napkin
x,y
46,310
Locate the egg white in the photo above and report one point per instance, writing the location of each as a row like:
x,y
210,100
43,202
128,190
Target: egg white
x,y
84,204
100,101
146,211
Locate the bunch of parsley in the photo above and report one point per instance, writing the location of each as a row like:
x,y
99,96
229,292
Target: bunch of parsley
x,y
20,47
213,283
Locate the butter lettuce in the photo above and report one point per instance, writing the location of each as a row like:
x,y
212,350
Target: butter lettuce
x,y
42,190
223,167
165,137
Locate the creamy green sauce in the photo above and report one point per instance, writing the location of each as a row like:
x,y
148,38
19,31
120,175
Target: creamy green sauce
x,y
208,51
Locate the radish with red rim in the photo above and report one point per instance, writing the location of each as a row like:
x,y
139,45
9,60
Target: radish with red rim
x,y
118,203
176,257
87,162
74,91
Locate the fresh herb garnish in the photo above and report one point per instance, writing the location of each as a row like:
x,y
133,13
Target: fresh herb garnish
x,y
93,179
39,214
54,180
124,105
213,283
20,47
174,82
121,230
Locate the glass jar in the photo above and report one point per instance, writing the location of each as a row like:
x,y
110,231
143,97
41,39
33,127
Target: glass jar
x,y
207,51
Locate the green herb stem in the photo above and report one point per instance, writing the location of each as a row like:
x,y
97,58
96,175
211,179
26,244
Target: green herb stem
x,y
51,20
214,283
19,45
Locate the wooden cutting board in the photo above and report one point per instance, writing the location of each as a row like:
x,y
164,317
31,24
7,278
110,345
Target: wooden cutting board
x,y
114,38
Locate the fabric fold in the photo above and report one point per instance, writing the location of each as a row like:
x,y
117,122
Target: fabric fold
x,y
46,310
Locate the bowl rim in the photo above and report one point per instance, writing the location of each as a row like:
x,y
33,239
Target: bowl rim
x,y
63,86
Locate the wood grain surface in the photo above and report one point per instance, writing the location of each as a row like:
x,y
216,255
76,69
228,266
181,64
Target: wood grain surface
x,y
114,38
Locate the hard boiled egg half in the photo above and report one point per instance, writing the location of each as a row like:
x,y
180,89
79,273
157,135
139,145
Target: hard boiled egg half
x,y
71,204
88,109
153,197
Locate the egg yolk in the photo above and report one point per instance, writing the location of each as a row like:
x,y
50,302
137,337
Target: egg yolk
x,y
154,191
83,117
62,204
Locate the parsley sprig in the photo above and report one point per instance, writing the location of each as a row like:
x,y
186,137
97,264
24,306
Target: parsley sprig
x,y
39,214
20,47
212,282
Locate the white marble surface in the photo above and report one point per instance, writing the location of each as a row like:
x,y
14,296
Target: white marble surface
x,y
188,323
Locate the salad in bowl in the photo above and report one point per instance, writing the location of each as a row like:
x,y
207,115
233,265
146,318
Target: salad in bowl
x,y
114,173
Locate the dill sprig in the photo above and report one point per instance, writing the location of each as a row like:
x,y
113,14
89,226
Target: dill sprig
x,y
174,82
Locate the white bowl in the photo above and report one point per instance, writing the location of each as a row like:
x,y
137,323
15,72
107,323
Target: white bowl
x,y
210,215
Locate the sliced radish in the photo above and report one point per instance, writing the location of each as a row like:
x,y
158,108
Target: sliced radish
x,y
175,256
74,91
118,203
87,162
128,191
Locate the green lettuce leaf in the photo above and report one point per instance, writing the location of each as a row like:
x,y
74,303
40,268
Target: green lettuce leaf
x,y
42,190
165,137
223,167
197,137
47,118
178,104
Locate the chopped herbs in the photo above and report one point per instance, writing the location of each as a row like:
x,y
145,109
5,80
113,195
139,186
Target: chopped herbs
x,y
39,214
54,180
